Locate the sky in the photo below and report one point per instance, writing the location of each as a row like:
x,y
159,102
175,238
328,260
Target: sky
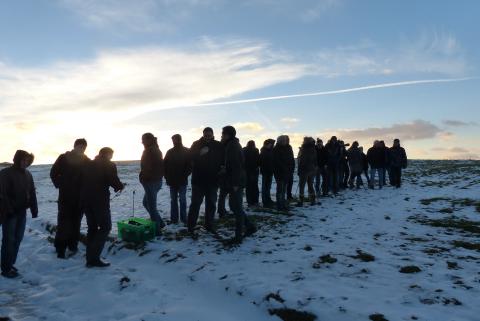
x,y
111,70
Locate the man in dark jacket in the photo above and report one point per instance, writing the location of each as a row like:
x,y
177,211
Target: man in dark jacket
x,y
67,175
398,161
177,169
252,163
281,170
322,159
355,163
17,194
208,157
291,169
376,159
333,163
234,181
151,174
100,175
266,169
307,168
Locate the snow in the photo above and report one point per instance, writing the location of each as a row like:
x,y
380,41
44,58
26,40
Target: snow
x,y
178,278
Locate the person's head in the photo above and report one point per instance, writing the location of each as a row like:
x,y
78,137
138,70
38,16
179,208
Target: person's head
x,y
375,143
251,144
228,132
106,153
396,142
355,144
177,140
382,143
22,159
148,139
80,145
268,143
361,149
319,142
282,140
208,134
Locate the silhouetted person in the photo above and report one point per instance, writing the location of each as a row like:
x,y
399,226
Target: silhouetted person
x,y
252,163
266,169
67,175
207,160
376,159
344,170
398,161
291,169
322,159
386,168
307,168
234,181
355,162
100,175
365,165
17,194
333,163
177,169
151,174
281,170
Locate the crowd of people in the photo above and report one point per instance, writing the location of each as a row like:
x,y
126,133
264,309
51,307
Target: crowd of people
x,y
218,169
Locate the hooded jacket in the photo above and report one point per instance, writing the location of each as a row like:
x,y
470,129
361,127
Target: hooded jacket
x,y
307,159
151,164
355,159
252,159
178,166
398,157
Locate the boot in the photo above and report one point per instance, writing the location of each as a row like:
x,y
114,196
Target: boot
x,y
300,201
312,200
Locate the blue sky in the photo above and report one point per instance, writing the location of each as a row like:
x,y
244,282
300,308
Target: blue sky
x,y
109,70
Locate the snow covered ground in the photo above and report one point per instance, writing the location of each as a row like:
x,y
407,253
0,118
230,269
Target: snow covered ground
x,y
343,260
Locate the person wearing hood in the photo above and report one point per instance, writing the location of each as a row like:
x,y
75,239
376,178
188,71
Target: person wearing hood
x,y
208,157
281,170
266,169
252,163
355,162
307,168
100,175
67,176
333,163
151,175
398,161
234,182
177,169
376,159
322,159
17,194
291,169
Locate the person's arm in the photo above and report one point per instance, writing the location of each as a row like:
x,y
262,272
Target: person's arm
x,y
113,179
56,171
404,159
33,198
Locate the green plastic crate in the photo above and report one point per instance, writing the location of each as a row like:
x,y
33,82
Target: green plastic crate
x,y
136,230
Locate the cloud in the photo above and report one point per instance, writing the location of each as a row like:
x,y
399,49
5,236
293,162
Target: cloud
x,y
248,126
289,120
459,123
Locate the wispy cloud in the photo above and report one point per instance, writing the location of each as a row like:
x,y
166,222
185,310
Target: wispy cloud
x,y
249,127
459,123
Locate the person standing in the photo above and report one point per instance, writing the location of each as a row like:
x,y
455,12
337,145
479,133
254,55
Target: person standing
x,y
177,169
234,182
333,164
17,194
100,175
322,159
208,158
266,169
291,169
376,159
151,175
365,165
355,162
252,163
67,176
307,168
398,161
281,170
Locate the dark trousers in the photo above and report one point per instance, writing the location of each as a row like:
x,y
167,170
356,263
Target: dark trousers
x,y
365,172
198,194
178,194
13,229
290,186
333,176
69,221
222,199
241,219
321,174
357,176
303,180
396,176
251,189
281,194
99,222
266,187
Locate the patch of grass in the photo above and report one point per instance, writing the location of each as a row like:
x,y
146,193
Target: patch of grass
x,y
377,317
454,223
324,259
364,256
287,314
274,296
446,210
467,245
410,269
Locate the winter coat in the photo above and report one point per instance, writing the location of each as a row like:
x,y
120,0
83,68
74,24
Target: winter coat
x,y
99,175
377,157
151,164
307,159
334,154
281,162
17,192
66,175
178,166
235,175
252,159
266,161
398,157
291,160
322,156
207,160
355,160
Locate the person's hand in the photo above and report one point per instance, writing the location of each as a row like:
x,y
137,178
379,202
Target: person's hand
x,y
34,214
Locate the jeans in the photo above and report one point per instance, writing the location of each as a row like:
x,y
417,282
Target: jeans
x,y
355,176
251,189
99,223
321,174
178,194
241,219
222,198
380,172
290,186
333,177
306,179
13,229
150,202
281,193
198,193
266,187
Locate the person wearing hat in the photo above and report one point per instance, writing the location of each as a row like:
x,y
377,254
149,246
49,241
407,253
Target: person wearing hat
x,y
17,194
266,169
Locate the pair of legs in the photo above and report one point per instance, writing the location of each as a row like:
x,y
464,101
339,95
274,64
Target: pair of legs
x,y
251,189
333,177
396,176
266,187
241,219
69,221
355,176
178,195
99,223
303,180
13,229
281,194
150,203
198,194
321,175
290,186
381,172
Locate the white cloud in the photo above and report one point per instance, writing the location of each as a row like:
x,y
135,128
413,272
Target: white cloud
x,y
248,126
